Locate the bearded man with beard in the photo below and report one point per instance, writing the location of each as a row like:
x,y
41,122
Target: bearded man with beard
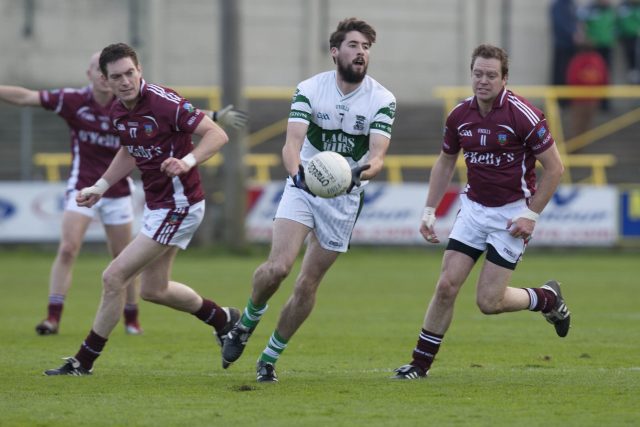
x,y
344,111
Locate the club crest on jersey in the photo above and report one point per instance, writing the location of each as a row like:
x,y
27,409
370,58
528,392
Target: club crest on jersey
x,y
541,132
502,138
359,125
148,129
189,107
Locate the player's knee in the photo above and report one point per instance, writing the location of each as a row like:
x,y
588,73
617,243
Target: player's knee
x,y
112,281
67,252
276,272
446,291
150,295
488,305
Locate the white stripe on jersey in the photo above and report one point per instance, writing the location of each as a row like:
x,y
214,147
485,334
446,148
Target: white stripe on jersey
x,y
75,168
462,125
508,128
179,198
528,112
152,119
504,93
169,96
523,183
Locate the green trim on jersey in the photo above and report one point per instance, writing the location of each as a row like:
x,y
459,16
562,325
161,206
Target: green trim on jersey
x,y
354,146
297,114
387,111
385,127
300,98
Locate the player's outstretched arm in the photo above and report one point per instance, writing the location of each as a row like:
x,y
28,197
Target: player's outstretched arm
x,y
20,96
229,117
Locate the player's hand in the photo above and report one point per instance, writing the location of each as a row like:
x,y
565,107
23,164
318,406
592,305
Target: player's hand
x,y
230,117
426,226
89,196
355,176
174,167
521,226
299,182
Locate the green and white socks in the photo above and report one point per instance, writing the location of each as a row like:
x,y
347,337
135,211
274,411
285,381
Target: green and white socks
x,y
250,319
274,349
252,315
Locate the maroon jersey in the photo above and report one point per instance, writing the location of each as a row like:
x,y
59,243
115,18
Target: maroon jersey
x,y
499,149
158,127
93,140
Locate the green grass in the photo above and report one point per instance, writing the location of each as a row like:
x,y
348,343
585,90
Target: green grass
x,y
506,370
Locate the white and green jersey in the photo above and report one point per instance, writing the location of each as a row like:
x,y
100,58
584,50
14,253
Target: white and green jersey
x,y
341,123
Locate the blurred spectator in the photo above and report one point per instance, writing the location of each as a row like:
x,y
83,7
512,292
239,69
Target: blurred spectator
x,y
564,24
599,22
628,25
586,68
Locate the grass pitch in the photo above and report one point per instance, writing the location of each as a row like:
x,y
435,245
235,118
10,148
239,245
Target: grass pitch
x,y
506,370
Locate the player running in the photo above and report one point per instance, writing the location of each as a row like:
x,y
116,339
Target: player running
x,y
155,125
501,135
93,144
344,111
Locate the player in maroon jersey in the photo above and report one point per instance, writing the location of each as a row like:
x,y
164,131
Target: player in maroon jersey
x,y
501,136
155,125
93,145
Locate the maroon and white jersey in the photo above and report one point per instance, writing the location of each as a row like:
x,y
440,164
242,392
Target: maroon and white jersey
x,y
499,149
158,127
93,140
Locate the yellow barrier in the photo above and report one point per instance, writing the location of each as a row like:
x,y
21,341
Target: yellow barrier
x,y
394,164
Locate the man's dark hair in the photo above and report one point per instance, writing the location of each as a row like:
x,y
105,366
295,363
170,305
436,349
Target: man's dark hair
x,y
114,52
351,24
488,51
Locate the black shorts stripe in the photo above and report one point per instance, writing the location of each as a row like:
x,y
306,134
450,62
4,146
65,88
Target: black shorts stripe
x,y
458,246
492,253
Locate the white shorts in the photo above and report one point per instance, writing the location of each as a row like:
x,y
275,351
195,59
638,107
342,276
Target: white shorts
x,y
477,226
172,227
112,211
332,220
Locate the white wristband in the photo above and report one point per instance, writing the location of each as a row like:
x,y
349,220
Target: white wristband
x,y
190,160
528,214
98,188
429,216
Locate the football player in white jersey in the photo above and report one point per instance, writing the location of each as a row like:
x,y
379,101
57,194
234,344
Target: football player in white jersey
x,y
344,111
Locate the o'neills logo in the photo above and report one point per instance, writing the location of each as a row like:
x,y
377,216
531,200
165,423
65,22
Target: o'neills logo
x,y
320,175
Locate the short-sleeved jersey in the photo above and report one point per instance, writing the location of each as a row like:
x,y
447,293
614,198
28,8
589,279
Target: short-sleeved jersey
x,y
499,149
158,127
338,122
93,140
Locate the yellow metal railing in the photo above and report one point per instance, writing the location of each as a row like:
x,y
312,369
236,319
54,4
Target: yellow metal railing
x,y
394,165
